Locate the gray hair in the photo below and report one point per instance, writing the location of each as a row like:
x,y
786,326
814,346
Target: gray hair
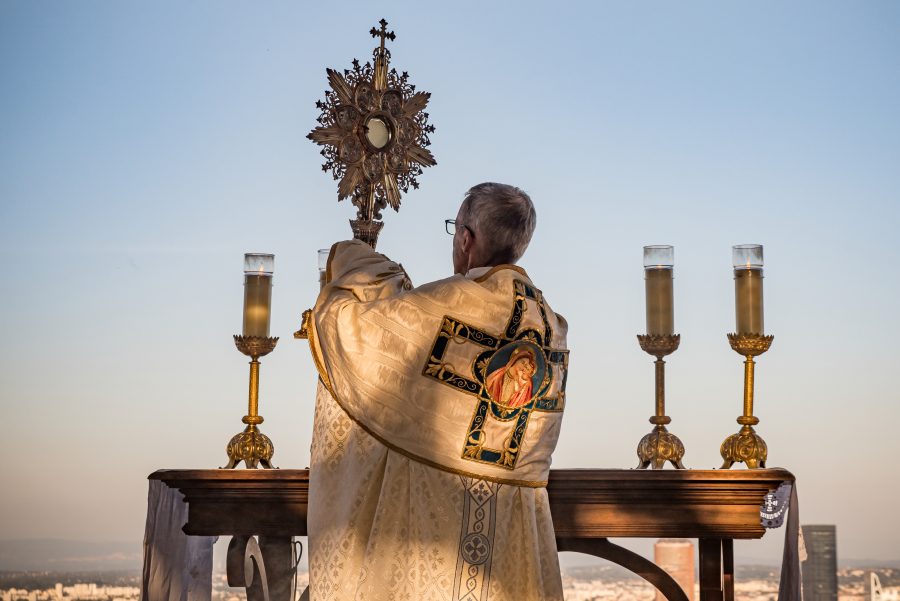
x,y
503,216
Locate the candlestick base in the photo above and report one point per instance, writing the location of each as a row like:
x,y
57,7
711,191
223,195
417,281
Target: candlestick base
x,y
250,446
366,230
746,447
660,446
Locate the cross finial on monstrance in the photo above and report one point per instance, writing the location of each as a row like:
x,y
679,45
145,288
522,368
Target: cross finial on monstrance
x,y
384,33
375,135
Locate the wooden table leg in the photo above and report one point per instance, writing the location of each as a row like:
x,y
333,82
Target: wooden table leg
x,y
246,568
728,568
265,567
643,567
711,570
278,553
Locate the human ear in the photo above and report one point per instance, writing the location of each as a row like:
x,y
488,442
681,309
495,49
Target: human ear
x,y
467,242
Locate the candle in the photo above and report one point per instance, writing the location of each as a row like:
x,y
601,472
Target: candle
x,y
323,254
747,260
658,263
258,270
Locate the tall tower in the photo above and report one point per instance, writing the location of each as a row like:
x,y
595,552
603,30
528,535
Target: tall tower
x,y
820,568
875,592
676,556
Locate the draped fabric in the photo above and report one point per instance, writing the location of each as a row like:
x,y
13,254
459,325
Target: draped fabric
x,y
790,584
427,474
177,567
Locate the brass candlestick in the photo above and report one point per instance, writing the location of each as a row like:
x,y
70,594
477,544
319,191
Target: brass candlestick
x,y
660,445
747,446
252,446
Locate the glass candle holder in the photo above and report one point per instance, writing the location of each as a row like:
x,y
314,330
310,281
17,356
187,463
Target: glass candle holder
x,y
747,256
658,267
323,254
747,260
258,271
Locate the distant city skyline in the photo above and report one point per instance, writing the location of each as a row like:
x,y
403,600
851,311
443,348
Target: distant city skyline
x,y
146,147
579,585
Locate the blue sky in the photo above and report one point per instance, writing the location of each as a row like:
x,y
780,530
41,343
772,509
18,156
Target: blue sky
x,y
145,147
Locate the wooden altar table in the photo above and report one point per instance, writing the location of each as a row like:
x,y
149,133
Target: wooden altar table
x,y
588,506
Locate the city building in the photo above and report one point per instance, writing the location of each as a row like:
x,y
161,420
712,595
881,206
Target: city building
x,y
676,556
875,592
820,582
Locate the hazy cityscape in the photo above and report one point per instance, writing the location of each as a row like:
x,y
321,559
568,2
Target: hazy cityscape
x,y
597,583
115,574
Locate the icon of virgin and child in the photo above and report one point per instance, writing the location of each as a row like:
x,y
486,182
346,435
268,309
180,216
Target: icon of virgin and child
x,y
511,385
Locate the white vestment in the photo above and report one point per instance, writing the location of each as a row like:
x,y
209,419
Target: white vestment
x,y
436,414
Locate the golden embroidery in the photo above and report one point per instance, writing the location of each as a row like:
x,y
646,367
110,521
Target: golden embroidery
x,y
476,545
512,377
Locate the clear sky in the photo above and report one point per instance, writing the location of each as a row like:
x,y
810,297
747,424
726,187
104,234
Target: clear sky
x,y
144,147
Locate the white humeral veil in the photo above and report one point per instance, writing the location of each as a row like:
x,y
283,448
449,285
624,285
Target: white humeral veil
x,y
415,494
177,567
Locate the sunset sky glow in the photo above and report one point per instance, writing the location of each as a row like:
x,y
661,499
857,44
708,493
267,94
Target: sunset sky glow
x,y
144,147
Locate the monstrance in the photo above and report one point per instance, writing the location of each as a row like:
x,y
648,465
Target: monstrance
x,y
374,130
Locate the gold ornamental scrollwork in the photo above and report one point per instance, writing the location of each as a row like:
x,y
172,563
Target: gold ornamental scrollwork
x,y
375,133
658,447
255,346
659,345
750,345
250,446
746,447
